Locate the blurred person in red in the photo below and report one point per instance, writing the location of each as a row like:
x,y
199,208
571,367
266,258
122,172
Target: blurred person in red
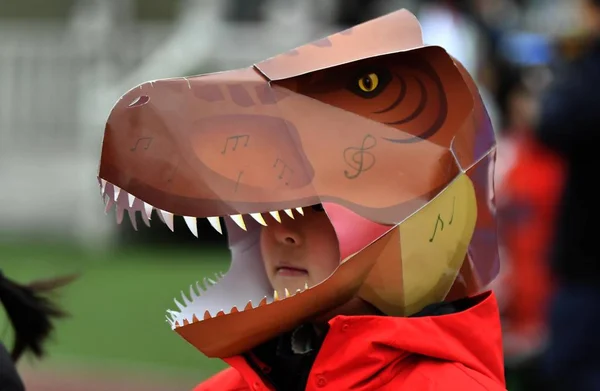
x,y
528,185
569,125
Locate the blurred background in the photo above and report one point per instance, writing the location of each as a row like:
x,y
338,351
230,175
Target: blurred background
x,y
64,63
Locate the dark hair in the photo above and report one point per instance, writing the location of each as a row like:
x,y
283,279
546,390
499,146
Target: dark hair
x,y
31,312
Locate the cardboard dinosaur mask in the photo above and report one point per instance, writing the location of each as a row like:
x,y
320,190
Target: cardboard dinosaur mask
x,y
388,135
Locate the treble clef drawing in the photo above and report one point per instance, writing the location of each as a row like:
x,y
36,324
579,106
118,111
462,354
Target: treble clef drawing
x,y
359,158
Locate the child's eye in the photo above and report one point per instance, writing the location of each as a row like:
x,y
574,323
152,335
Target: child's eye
x,y
318,208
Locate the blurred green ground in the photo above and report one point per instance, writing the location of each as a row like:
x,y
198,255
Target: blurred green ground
x,y
118,305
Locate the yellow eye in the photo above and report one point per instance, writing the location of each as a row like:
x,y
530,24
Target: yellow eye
x,y
369,82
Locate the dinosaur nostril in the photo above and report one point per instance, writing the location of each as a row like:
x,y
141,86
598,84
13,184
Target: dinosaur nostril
x,y
139,101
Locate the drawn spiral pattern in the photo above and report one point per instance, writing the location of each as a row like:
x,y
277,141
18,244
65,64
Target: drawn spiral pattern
x,y
428,116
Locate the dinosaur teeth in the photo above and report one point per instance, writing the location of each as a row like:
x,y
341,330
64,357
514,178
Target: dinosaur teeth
x,y
120,213
276,216
259,218
132,204
132,219
216,224
148,209
131,199
186,301
239,220
208,282
193,294
167,218
191,223
109,204
187,317
179,305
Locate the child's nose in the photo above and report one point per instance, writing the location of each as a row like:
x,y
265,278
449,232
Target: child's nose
x,y
286,235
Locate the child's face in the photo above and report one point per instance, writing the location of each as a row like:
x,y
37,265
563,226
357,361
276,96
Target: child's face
x,y
298,251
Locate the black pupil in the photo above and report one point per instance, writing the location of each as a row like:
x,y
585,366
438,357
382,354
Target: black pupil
x,y
367,82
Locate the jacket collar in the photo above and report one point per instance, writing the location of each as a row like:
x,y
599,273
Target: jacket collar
x,y
466,331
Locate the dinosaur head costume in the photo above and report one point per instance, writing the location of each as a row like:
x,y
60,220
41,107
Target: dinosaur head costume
x,y
388,135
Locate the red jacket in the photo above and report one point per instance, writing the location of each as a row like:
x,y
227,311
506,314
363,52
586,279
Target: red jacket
x,y
459,351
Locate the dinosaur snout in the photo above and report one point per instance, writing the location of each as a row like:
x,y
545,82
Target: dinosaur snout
x,y
253,150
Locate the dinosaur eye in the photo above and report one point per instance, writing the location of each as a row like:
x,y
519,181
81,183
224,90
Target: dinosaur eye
x,y
368,83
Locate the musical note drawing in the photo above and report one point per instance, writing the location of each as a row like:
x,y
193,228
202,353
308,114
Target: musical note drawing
x,y
236,141
284,167
238,181
360,159
452,216
439,220
148,142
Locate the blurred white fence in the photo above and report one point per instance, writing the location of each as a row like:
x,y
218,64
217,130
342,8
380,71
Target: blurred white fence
x,y
45,167
58,83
